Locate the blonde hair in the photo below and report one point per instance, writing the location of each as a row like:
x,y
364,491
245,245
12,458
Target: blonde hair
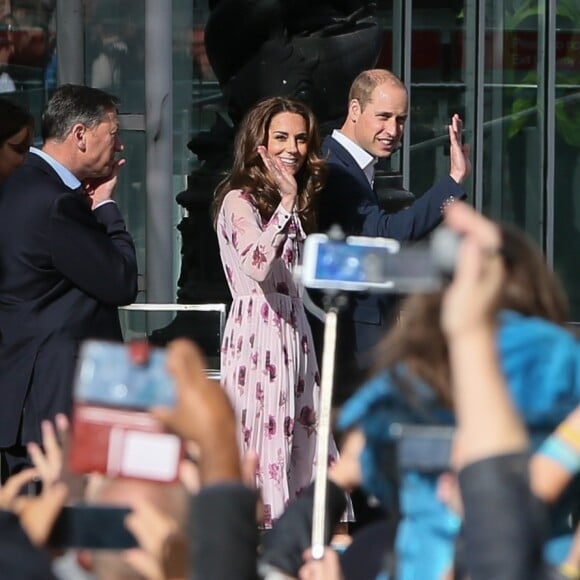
x,y
367,81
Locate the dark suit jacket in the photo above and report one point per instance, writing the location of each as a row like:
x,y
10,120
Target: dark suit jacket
x,y
64,269
349,201
224,534
19,558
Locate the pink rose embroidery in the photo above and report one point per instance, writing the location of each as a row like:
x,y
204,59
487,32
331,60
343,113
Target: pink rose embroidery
x,y
258,258
229,275
259,392
238,317
271,427
275,472
247,433
272,372
265,311
307,418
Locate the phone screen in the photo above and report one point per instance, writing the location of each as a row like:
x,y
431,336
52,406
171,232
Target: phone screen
x,y
423,448
92,526
350,263
106,375
359,266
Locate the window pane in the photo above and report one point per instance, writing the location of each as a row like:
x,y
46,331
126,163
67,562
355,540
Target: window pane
x,y
567,150
27,54
438,85
513,128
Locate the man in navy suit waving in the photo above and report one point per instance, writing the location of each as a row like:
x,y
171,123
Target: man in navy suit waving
x,y
377,111
66,262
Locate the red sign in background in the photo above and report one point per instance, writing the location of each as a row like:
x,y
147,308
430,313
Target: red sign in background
x,y
512,50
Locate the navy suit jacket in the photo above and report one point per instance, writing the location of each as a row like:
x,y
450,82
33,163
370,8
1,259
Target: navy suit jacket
x,y
64,270
349,201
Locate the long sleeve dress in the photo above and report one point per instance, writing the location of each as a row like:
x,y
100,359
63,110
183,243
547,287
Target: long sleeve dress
x,y
268,364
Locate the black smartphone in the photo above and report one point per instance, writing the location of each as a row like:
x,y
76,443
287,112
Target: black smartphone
x,y
423,448
98,527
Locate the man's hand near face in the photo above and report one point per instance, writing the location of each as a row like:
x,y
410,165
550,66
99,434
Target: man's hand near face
x,y
102,189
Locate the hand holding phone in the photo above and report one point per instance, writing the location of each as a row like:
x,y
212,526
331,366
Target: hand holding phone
x,y
423,448
96,527
368,264
114,432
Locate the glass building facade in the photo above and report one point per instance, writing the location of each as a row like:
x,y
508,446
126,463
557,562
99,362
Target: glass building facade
x,y
184,71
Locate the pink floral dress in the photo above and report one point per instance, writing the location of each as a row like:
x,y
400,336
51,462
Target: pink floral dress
x,y
268,364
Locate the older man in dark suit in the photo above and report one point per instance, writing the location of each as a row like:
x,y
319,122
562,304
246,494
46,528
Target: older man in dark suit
x,y
66,262
373,128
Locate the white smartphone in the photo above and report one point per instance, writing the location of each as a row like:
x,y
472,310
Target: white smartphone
x,y
368,264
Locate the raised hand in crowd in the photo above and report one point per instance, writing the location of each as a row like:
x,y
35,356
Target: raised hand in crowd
x,y
37,514
163,553
459,153
49,460
325,568
570,568
468,320
346,471
224,510
557,461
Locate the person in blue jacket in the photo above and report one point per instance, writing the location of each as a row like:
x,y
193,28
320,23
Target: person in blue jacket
x,y
541,361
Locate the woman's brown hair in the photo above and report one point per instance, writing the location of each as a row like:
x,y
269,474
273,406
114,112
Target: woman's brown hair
x,y
531,289
249,174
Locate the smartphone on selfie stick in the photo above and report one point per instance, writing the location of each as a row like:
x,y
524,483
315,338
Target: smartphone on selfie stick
x,y
371,264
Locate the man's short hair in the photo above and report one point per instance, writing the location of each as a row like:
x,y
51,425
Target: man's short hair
x,y
72,104
367,81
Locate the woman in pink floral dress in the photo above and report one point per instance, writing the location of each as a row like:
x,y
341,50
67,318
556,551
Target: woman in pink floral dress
x,y
262,212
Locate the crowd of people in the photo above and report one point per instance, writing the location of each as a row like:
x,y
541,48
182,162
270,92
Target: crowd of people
x,y
488,359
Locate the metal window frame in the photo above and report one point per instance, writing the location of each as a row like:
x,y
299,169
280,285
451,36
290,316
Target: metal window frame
x,y
475,65
156,121
547,121
402,36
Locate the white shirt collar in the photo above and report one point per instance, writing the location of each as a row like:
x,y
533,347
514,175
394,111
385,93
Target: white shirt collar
x,y
68,178
363,159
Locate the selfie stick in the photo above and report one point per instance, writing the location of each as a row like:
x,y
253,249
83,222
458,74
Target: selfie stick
x,y
319,510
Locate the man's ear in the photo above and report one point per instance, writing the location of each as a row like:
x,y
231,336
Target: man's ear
x,y
79,133
354,110
85,560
